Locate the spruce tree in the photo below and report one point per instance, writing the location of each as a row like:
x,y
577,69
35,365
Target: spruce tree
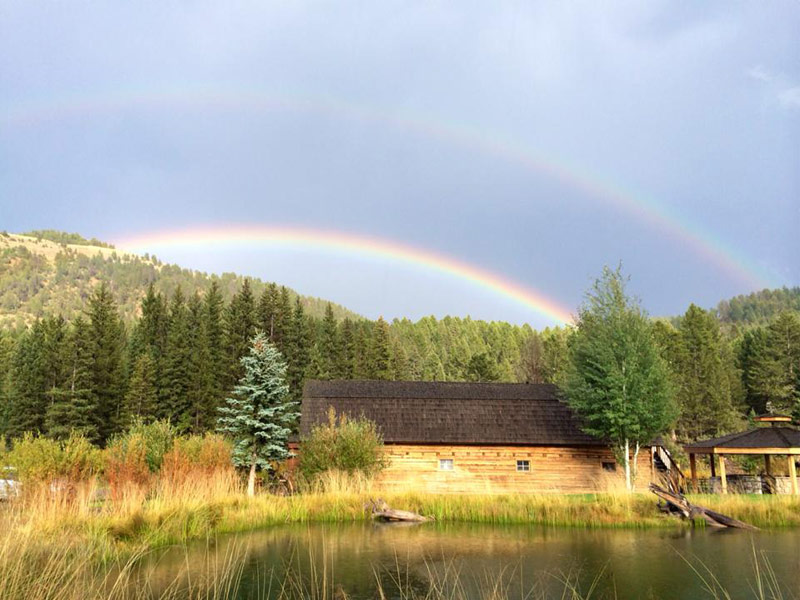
x,y
28,383
175,380
259,415
107,341
346,353
705,376
214,331
617,381
72,410
282,321
298,351
751,353
240,327
327,347
380,357
200,396
776,372
267,310
141,400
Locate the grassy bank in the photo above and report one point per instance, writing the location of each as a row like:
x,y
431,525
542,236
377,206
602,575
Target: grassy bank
x,y
197,509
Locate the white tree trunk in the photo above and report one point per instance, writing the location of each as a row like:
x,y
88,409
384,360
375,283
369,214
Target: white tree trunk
x,y
635,465
627,461
251,481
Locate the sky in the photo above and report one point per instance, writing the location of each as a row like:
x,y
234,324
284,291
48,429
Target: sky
x,y
526,145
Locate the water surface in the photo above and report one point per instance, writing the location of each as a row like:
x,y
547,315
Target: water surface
x,y
351,558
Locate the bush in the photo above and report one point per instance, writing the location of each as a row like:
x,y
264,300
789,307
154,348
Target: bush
x,y
197,454
343,444
132,458
38,459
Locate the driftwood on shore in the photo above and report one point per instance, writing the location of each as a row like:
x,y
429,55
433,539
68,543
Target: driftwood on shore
x,y
678,503
382,512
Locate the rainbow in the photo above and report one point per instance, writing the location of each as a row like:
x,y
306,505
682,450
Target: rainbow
x,y
350,244
703,243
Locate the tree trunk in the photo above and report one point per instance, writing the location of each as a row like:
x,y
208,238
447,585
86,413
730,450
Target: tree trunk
x,y
251,481
635,465
627,461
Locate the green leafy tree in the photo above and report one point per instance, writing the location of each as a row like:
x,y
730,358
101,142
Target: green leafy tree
x,y
617,381
259,415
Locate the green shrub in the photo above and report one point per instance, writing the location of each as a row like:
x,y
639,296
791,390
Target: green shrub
x,y
152,440
38,459
342,444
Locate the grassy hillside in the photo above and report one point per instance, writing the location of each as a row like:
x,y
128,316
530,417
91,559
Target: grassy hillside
x,y
54,273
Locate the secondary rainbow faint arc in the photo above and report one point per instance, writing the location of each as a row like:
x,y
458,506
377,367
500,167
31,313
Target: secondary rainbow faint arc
x,y
353,244
702,242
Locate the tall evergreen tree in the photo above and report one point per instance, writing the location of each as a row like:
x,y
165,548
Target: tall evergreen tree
x,y
380,356
28,383
107,341
751,353
617,381
240,327
176,375
267,310
200,406
776,372
298,351
327,347
346,353
141,401
72,409
214,329
707,382
259,415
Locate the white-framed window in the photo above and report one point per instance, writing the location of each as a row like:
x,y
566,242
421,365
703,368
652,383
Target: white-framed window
x,y
523,465
609,466
445,464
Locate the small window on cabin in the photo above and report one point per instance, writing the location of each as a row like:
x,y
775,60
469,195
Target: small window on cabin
x,y
445,464
523,465
610,466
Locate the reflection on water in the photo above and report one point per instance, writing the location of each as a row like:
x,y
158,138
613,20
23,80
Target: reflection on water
x,y
353,557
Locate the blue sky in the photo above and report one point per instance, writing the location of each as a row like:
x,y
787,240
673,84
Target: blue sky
x,y
439,125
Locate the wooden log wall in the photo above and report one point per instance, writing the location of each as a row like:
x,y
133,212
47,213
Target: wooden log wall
x,y
493,469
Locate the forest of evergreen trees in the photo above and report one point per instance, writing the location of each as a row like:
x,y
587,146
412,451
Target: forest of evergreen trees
x,y
180,358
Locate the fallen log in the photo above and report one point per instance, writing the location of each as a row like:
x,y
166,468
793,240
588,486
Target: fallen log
x,y
693,511
382,512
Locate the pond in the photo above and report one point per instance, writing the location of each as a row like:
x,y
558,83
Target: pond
x,y
353,560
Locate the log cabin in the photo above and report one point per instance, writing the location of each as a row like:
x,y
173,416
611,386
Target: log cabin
x,y
445,437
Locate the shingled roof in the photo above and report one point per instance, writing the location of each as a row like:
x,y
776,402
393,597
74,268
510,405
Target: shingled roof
x,y
758,438
415,412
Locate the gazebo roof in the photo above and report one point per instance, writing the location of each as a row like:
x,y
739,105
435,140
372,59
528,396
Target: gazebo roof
x,y
761,440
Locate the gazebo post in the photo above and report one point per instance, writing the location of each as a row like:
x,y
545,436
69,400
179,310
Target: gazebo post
x,y
793,474
712,461
693,469
766,464
722,474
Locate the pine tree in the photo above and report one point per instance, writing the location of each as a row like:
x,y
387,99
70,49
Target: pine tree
x,y
617,381
107,341
72,410
380,357
175,381
751,353
282,321
267,311
298,351
346,353
776,372
259,415
198,415
327,347
240,327
705,377
142,398
213,314
28,384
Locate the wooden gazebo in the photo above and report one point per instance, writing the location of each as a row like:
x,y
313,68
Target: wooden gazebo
x,y
778,439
